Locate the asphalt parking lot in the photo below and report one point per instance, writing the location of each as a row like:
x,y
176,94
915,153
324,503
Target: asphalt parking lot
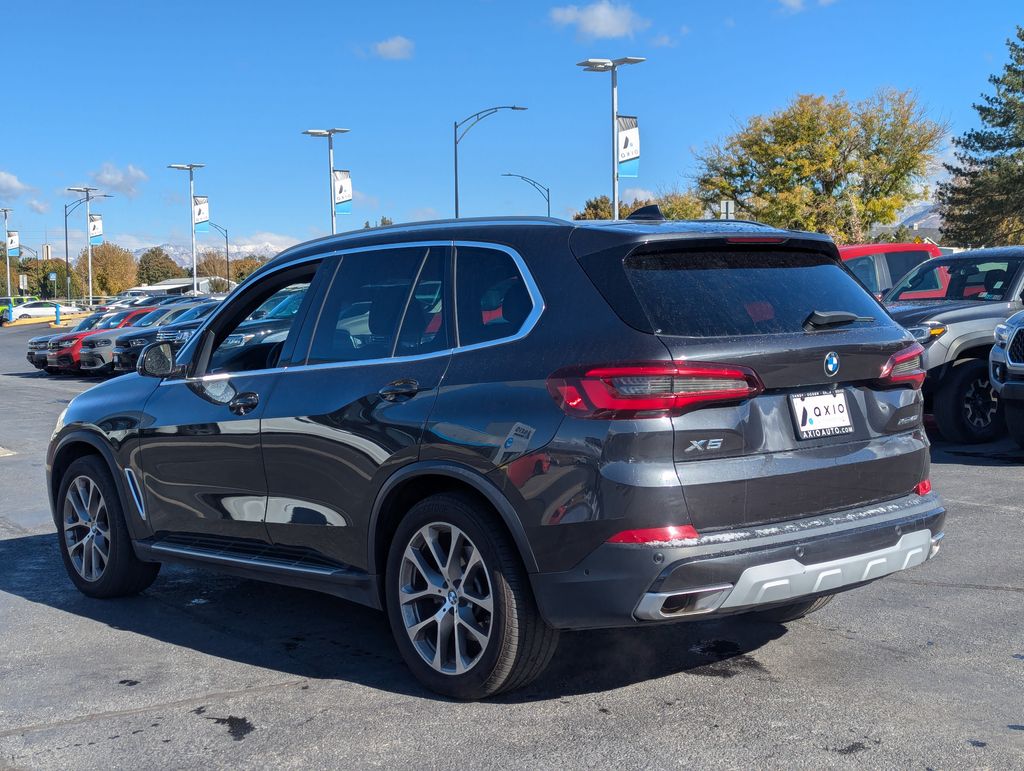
x,y
922,670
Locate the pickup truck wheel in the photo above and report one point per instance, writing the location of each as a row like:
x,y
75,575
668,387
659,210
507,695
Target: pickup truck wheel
x,y
1014,412
459,601
783,614
966,408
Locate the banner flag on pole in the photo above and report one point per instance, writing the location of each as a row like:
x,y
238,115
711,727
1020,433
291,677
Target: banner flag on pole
x,y
95,229
342,183
201,213
13,243
629,146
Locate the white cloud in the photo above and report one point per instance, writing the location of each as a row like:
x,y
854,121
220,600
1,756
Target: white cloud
x,y
793,6
684,30
397,47
39,207
602,19
125,181
365,199
11,187
631,194
662,41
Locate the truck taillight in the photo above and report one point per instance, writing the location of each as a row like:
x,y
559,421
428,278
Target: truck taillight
x,y
649,390
904,369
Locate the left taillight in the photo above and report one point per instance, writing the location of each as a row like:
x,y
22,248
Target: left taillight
x,y
648,390
904,369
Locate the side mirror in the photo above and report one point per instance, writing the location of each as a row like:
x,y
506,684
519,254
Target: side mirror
x,y
258,315
156,360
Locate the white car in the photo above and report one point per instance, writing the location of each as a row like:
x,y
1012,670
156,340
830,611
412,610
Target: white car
x,y
40,309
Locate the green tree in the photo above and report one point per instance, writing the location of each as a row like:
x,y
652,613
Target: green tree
x,y
242,267
826,164
211,264
675,205
382,222
155,265
113,269
39,284
983,200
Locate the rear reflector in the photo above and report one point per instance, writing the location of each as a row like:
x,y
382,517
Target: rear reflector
x,y
924,487
903,369
656,534
649,390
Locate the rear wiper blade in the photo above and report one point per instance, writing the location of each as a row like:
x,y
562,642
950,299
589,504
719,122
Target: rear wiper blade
x,y
823,319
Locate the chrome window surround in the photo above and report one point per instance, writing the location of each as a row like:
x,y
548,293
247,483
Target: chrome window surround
x,y
524,330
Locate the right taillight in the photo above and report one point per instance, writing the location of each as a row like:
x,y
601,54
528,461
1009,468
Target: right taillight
x,y
904,369
649,390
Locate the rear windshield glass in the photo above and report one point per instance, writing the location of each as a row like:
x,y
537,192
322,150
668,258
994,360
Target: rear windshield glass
x,y
724,294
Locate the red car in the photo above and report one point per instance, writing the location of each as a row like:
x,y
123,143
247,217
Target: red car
x,y
880,266
63,352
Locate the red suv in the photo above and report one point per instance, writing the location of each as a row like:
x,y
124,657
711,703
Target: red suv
x,y
881,266
63,352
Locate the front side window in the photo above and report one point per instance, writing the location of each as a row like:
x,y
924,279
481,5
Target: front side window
x,y
901,263
367,300
959,279
492,300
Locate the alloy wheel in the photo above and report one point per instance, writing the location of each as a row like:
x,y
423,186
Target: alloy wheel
x,y
86,528
980,403
446,599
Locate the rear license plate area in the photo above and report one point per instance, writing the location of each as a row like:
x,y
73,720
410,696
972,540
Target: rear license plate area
x,y
820,414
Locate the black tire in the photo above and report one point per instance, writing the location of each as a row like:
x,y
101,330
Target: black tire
x,y
966,409
24,316
783,614
1013,411
122,573
519,645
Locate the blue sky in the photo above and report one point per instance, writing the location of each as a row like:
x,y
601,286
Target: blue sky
x,y
108,93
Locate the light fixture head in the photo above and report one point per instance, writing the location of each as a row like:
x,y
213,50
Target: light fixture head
x,y
629,60
595,65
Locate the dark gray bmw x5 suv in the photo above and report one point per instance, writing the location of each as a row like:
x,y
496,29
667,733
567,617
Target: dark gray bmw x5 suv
x,y
498,429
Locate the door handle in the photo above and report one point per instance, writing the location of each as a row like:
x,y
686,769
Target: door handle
x,y
244,403
399,389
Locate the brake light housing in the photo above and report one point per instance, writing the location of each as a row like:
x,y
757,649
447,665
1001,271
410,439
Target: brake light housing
x,y
649,389
904,369
923,487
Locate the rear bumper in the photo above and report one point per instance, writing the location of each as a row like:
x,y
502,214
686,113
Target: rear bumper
x,y
735,571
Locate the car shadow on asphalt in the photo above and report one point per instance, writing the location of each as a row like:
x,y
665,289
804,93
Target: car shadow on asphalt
x,y
317,636
1002,452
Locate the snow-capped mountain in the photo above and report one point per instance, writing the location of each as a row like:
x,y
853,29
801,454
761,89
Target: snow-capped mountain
x,y
182,253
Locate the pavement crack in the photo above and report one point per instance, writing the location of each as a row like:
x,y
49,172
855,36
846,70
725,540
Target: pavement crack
x,y
955,585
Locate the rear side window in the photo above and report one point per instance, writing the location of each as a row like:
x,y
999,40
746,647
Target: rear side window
x,y
901,263
864,269
725,294
492,301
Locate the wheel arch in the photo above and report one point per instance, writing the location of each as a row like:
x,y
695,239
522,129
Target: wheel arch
x,y
419,480
79,444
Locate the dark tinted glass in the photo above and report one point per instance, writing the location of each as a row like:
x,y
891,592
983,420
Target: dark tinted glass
x,y
959,279
197,313
864,269
425,327
114,320
492,300
364,305
901,263
716,294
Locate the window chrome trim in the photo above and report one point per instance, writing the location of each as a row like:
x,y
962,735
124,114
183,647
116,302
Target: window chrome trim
x,y
527,327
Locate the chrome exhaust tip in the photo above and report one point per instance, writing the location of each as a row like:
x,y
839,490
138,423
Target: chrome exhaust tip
x,y
936,544
657,606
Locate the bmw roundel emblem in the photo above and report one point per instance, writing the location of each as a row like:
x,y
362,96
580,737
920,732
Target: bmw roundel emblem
x,y
831,363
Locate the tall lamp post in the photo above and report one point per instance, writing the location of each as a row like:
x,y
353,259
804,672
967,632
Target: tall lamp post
x,y
612,66
68,208
227,257
329,133
469,122
544,191
88,197
191,169
8,254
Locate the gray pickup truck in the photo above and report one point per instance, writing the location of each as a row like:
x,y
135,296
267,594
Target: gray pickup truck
x,y
1006,369
952,306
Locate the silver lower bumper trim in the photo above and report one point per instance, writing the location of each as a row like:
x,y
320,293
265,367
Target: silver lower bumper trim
x,y
790,579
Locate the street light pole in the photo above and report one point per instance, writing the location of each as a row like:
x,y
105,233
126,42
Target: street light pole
x,y
68,208
227,257
472,120
88,241
612,66
329,133
544,191
191,169
7,253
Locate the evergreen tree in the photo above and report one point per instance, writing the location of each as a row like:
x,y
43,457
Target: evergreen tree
x,y
983,201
